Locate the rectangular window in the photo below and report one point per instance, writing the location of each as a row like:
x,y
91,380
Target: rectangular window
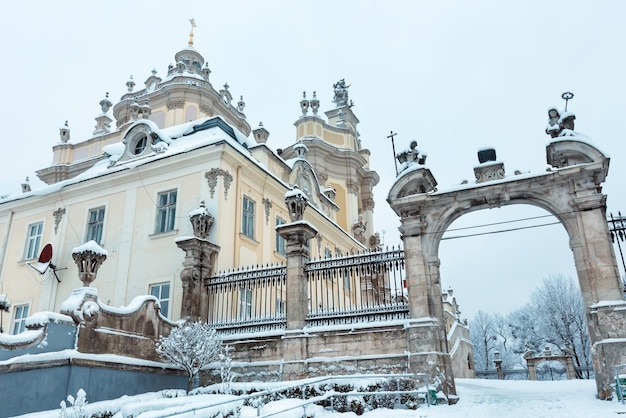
x,y
19,318
166,211
245,304
247,218
346,280
328,253
95,225
33,241
280,241
162,292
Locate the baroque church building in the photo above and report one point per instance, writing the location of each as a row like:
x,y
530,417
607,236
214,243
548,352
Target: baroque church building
x,y
166,148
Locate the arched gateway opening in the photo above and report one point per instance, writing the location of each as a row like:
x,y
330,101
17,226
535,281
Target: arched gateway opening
x,y
571,191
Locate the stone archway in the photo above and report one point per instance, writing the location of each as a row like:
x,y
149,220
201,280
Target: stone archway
x,y
533,360
571,191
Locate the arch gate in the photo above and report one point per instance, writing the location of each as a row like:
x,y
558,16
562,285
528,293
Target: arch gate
x,y
571,191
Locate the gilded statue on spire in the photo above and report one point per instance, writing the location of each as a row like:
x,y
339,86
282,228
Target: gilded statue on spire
x,y
193,25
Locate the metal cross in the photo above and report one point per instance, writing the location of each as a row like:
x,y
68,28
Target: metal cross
x,y
393,146
567,96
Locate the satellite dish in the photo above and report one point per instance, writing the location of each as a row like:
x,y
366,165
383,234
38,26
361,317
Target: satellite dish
x,y
44,260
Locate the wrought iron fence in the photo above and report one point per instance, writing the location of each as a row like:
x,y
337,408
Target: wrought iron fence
x,y
617,228
248,300
362,287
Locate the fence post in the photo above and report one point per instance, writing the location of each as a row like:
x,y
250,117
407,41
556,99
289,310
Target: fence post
x,y
197,266
297,235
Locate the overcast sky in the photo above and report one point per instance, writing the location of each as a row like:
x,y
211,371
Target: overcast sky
x,y
453,75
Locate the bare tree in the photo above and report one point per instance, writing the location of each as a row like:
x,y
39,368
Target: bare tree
x,y
192,347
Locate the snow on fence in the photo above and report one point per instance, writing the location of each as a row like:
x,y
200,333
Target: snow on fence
x,y
355,288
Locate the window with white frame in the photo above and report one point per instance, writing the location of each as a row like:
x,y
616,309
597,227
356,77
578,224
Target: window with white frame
x,y
95,225
19,318
162,292
33,240
280,241
166,211
245,304
247,217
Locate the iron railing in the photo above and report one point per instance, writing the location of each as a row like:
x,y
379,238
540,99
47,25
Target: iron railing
x,y
362,287
248,300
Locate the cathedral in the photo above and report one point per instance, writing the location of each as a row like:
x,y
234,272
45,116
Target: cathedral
x,y
162,150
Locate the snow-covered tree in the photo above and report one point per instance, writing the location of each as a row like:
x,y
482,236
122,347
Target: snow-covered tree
x,y
558,304
192,346
484,339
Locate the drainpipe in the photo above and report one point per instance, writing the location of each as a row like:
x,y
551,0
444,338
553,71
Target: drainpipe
x,y
5,240
237,218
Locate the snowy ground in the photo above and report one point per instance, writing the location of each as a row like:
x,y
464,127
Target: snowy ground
x,y
479,398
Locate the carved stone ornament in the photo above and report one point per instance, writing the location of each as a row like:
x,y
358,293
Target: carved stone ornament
x,y
489,172
296,202
201,221
268,206
58,215
212,176
88,257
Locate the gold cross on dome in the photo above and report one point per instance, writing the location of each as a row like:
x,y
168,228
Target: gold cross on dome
x,y
193,25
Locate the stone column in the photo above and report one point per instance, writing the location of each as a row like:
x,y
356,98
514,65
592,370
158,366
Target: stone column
x,y
297,235
600,287
426,333
198,264
196,271
498,362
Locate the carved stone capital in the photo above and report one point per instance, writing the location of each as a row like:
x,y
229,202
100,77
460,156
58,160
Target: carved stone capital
x,y
489,172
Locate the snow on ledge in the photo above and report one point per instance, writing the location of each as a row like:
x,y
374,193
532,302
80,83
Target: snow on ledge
x,y
77,298
23,338
90,246
44,318
609,304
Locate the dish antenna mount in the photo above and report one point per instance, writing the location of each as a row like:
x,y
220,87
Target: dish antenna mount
x,y
44,262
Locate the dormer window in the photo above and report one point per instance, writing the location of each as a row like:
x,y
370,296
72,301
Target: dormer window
x,y
140,144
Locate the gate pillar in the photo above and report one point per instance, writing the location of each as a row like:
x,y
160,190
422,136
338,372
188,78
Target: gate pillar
x,y
197,266
426,336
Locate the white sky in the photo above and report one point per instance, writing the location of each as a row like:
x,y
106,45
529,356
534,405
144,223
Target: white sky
x,y
453,75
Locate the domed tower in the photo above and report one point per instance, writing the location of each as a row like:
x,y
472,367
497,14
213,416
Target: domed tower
x,y
185,94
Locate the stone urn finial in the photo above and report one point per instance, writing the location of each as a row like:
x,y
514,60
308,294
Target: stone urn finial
x,y
296,201
88,257
201,221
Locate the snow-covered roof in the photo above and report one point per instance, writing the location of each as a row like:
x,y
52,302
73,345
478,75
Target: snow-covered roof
x,y
182,138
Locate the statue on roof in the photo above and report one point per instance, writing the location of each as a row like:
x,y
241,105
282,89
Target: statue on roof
x,y
561,124
341,93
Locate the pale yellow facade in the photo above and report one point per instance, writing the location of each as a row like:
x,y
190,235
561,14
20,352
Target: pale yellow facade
x,y
160,158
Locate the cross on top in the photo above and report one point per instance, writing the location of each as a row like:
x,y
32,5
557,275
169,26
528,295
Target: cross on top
x,y
193,25
567,96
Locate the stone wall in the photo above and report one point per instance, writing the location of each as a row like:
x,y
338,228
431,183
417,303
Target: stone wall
x,y
37,386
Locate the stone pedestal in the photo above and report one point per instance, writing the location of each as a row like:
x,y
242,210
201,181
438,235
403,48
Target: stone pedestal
x,y
199,255
297,235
